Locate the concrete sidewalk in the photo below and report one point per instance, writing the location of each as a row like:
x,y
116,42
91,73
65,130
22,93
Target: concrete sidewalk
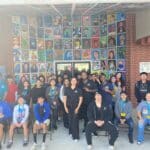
x,y
62,141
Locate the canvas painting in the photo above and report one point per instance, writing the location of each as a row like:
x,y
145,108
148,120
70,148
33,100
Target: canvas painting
x,y
77,44
42,56
48,20
25,67
57,20
41,44
49,44
86,20
121,65
103,19
121,52
67,43
48,33
86,32
103,41
33,55
33,43
103,30
77,54
95,20
67,21
121,39
95,54
67,32
57,44
95,43
68,55
76,32
86,54
86,43
103,54
49,55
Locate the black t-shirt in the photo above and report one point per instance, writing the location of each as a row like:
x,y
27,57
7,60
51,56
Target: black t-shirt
x,y
73,96
37,92
88,96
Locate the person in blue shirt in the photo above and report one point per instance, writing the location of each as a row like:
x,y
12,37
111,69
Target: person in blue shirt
x,y
5,115
42,115
143,112
3,88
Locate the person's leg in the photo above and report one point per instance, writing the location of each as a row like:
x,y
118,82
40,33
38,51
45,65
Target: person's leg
x,y
75,127
113,132
1,133
55,116
130,124
85,117
25,132
44,127
35,129
70,116
11,133
90,128
141,127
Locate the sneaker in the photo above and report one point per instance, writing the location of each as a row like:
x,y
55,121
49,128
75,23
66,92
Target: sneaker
x,y
25,142
34,146
43,147
139,142
111,147
89,147
76,140
9,144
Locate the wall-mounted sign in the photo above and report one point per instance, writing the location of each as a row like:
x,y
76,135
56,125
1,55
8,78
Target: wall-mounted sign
x,y
145,67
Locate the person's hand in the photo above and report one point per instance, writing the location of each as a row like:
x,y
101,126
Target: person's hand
x,y
1,115
54,103
122,121
86,89
66,110
76,111
99,123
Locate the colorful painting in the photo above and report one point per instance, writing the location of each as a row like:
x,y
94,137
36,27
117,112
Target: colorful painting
x,y
121,16
33,43
67,21
112,41
95,20
95,32
48,33
103,54
49,44
103,30
57,20
103,41
41,44
58,44
77,44
26,67
121,52
49,55
86,32
103,19
95,54
77,54
76,32
112,29
86,54
42,56
48,21
121,65
111,53
121,39
40,32
76,20
86,43
86,20
68,55
121,27
96,65
67,43
67,32
58,54
33,55
111,18
95,43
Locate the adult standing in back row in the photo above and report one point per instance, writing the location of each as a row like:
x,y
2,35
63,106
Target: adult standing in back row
x,y
142,87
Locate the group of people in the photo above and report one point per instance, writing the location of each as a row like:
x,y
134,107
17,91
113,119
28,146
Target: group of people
x,y
102,104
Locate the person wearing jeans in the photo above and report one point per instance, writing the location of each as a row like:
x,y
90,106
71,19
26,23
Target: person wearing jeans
x,y
123,113
143,112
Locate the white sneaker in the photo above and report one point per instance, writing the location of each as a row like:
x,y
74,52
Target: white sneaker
x,y
34,146
43,147
111,147
89,147
76,140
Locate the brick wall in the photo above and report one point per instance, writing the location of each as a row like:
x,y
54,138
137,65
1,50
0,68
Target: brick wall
x,y
134,55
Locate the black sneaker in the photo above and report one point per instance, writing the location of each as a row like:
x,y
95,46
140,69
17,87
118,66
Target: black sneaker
x,y
131,140
9,144
25,142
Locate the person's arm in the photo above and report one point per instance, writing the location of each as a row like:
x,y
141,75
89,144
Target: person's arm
x,y
47,112
36,113
117,110
129,110
79,104
15,115
26,114
65,104
61,93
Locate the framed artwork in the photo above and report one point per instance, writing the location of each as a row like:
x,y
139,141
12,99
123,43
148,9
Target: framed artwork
x,y
48,33
67,32
76,20
26,67
112,65
86,54
86,32
111,53
121,39
111,40
86,43
103,19
95,20
95,32
121,27
49,44
42,67
77,43
17,53
103,30
112,29
41,44
57,44
103,41
49,55
77,54
16,42
42,56
34,67
25,55
33,55
96,65
121,65
95,54
121,16
67,21
95,43
58,54
103,54
57,20
111,18
68,55
40,32
121,52
67,43
48,20
86,20
33,43
76,32
40,21
57,30
104,65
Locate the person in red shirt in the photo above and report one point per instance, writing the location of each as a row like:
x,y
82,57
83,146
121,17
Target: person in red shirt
x,y
12,91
